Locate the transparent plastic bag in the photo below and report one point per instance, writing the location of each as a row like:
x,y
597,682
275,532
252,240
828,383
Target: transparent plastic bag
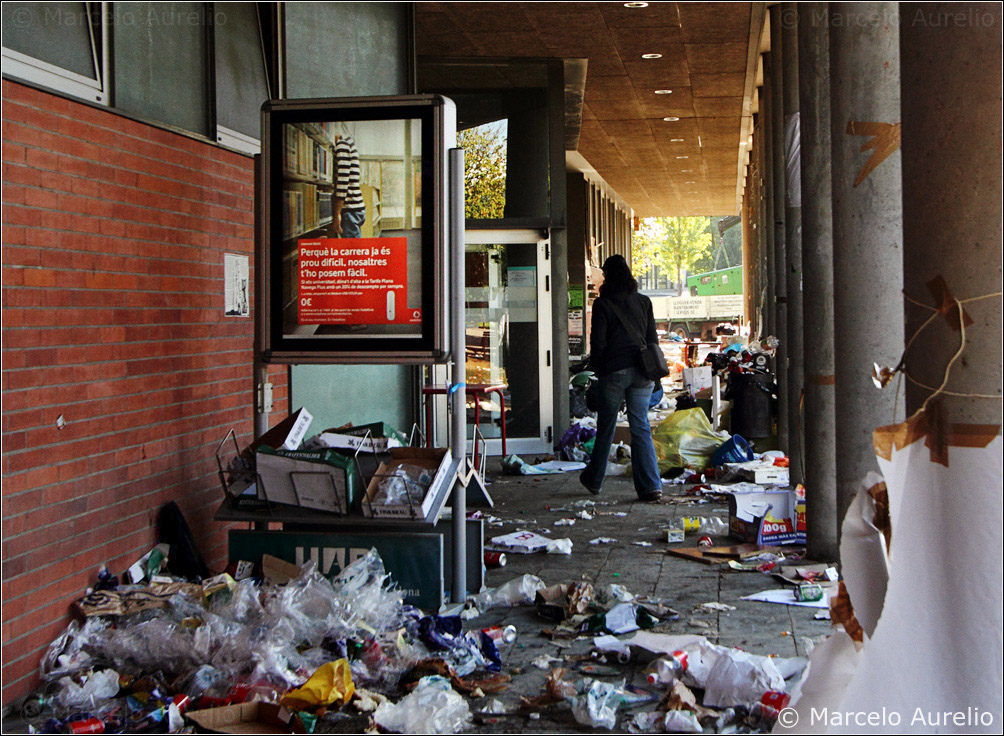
x,y
67,653
406,484
517,592
596,704
433,707
91,690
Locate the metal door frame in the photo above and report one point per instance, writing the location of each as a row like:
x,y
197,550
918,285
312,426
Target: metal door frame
x,y
542,240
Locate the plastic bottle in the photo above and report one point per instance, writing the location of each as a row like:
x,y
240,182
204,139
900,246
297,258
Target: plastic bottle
x,y
666,670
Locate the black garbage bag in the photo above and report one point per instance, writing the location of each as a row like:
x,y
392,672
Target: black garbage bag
x,y
752,396
184,558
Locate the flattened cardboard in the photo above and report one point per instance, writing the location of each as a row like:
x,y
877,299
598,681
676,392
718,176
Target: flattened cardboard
x,y
253,717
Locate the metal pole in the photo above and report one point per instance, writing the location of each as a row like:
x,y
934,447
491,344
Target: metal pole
x,y
458,393
817,296
793,235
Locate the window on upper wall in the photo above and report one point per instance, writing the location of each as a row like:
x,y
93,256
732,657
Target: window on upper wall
x,y
160,63
63,46
241,83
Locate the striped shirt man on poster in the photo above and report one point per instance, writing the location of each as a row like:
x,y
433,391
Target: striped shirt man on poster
x,y
350,210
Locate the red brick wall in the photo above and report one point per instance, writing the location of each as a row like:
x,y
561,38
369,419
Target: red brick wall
x,y
114,234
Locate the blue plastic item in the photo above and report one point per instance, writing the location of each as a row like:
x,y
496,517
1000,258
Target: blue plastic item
x,y
735,450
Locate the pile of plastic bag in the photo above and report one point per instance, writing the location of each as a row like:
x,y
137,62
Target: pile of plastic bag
x,y
314,645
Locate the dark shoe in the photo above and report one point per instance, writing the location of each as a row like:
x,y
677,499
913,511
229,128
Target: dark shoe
x,y
594,491
653,497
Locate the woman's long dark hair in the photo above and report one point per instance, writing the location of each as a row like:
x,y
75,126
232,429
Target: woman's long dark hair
x,y
617,277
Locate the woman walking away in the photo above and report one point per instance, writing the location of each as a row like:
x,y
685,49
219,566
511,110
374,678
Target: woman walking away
x,y
615,358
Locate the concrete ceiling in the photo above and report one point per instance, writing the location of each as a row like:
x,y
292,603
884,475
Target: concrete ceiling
x,y
693,166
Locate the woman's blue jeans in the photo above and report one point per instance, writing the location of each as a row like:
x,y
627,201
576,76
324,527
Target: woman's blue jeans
x,y
636,388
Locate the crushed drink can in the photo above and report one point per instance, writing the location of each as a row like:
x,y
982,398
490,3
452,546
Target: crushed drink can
x,y
504,634
808,592
705,542
775,699
89,725
495,559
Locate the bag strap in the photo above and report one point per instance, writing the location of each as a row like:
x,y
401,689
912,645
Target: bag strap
x,y
631,327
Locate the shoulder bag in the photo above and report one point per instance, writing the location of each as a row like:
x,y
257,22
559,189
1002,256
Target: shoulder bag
x,y
653,362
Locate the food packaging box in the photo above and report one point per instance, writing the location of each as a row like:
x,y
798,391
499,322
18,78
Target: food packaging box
x,y
769,518
324,480
436,460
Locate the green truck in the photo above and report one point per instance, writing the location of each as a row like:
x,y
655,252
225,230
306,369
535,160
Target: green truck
x,y
711,298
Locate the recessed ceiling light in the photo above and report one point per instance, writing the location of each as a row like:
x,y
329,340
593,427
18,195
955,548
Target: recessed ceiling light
x,y
683,156
671,120
690,182
686,171
676,140
664,91
651,56
635,5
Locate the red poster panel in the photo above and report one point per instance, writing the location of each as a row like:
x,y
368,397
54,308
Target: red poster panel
x,y
354,281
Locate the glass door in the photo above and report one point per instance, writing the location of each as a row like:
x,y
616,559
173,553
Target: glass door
x,y
508,305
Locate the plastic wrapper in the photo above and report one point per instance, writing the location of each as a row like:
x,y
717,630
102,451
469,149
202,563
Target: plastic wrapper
x,y
67,653
406,484
517,592
330,684
560,546
433,707
596,704
92,688
686,440
682,721
739,678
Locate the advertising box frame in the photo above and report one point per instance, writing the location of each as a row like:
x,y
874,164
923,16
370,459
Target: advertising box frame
x,y
438,134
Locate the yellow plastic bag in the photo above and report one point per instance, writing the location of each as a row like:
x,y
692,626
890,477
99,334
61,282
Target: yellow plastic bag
x,y
331,683
685,439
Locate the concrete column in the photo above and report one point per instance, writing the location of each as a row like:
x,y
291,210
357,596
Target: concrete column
x,y
819,473
767,223
951,78
867,230
779,274
793,235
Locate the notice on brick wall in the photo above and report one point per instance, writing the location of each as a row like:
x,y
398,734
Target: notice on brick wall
x,y
354,281
235,285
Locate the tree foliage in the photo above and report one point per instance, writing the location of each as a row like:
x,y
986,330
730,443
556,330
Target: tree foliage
x,y
484,170
727,246
672,243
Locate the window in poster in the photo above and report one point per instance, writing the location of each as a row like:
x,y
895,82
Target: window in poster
x,y
353,269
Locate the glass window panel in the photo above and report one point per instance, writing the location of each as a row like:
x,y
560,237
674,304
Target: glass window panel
x,y
56,33
240,68
160,62
346,49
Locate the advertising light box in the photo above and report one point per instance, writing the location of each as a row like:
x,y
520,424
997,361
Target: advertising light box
x,y
353,230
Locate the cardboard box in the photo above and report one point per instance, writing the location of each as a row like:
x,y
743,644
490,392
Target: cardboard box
x,y
436,460
382,438
324,480
622,433
697,379
762,473
768,518
256,717
287,434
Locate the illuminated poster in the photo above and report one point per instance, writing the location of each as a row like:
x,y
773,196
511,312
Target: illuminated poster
x,y
361,281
